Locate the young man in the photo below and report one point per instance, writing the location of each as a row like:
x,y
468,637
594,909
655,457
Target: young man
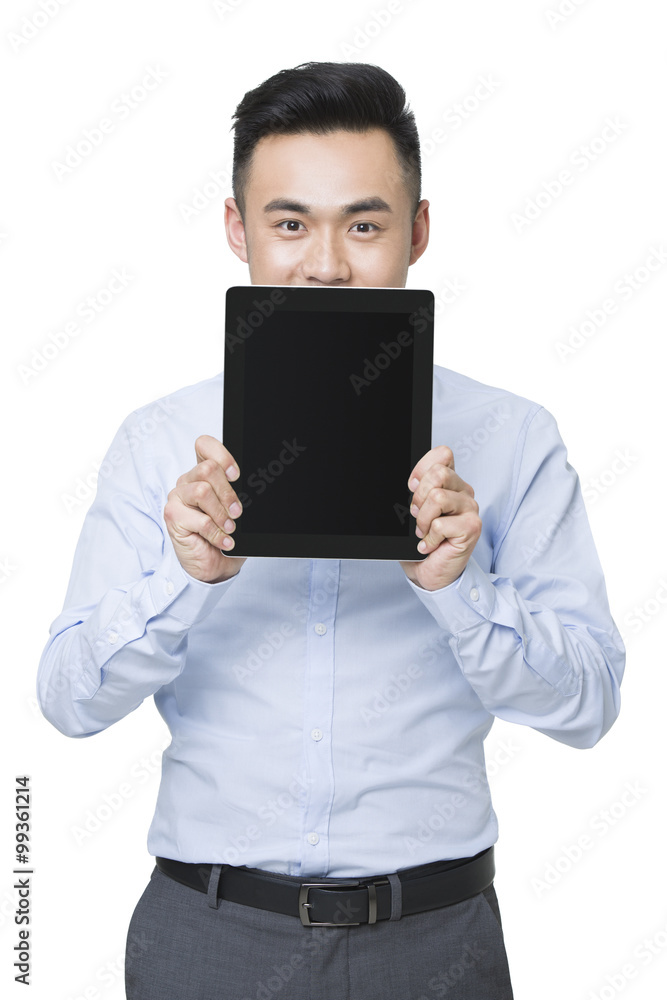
x,y
328,716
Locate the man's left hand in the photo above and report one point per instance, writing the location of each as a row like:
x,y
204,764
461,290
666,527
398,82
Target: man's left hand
x,y
447,518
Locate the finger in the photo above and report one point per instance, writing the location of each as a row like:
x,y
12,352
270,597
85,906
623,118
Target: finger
x,y
207,446
440,476
461,531
201,496
443,503
209,471
185,521
441,454
217,466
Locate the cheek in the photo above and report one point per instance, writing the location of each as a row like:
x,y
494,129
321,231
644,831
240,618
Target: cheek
x,y
385,262
275,251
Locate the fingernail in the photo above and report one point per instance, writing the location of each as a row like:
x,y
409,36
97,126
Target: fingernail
x,y
422,546
413,484
232,472
235,509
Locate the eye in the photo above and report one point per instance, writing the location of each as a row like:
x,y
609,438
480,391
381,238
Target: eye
x,y
369,227
291,225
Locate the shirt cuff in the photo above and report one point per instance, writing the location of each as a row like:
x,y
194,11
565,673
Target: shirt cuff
x,y
462,604
176,593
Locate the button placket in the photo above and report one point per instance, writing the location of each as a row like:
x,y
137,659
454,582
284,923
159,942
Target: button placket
x,y
318,710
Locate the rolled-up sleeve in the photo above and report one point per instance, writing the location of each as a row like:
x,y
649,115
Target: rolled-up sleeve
x,y
124,628
534,635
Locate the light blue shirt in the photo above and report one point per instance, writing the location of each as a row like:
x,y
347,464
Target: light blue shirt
x,y
328,716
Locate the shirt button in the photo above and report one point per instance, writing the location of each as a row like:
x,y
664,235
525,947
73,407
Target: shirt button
x,y
313,839
316,734
474,594
169,587
320,628
112,637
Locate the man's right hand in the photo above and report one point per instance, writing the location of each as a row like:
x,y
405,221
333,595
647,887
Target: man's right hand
x,y
199,517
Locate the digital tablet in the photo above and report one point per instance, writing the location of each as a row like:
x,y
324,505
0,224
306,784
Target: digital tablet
x,y
327,408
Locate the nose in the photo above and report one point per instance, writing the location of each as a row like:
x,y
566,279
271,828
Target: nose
x,y
325,261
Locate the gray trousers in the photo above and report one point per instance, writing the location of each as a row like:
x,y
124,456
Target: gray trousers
x,y
183,945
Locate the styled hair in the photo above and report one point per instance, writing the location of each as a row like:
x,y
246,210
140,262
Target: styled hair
x,y
323,97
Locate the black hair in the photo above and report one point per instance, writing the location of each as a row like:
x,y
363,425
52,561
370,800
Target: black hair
x,y
322,97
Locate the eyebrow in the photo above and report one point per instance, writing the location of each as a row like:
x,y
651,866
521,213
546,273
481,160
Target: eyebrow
x,y
363,205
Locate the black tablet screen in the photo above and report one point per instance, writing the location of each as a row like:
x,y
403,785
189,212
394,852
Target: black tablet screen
x,y
326,443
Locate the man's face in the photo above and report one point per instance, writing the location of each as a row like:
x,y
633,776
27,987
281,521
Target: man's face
x,y
327,210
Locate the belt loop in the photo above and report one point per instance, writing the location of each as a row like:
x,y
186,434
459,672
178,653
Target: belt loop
x,y
212,893
396,897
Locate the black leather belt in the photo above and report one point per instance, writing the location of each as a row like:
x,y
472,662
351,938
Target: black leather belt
x,y
342,902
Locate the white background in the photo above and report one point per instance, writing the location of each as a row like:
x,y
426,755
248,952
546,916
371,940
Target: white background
x,y
555,82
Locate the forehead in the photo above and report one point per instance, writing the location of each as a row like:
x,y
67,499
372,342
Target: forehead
x,y
336,166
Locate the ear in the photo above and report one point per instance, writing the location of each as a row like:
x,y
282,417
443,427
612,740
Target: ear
x,y
420,232
235,230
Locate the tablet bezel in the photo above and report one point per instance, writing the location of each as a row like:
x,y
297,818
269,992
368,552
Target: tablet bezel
x,y
241,302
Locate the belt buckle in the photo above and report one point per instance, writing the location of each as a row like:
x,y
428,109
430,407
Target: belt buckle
x,y
304,905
